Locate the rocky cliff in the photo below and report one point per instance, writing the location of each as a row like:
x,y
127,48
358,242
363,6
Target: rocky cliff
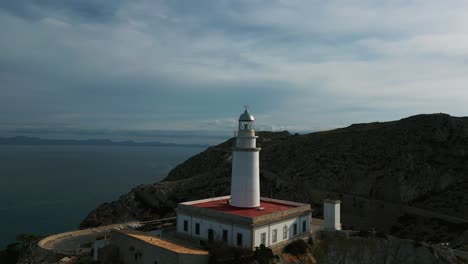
x,y
375,168
382,249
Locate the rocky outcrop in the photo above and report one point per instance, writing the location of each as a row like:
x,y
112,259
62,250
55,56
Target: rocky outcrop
x,y
385,250
374,168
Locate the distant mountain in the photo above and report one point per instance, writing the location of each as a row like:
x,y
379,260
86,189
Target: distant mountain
x,y
33,141
406,177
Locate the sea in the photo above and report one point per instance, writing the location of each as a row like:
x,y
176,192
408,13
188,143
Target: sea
x,y
50,189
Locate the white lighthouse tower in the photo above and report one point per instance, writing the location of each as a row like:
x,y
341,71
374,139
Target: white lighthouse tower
x,y
245,182
243,219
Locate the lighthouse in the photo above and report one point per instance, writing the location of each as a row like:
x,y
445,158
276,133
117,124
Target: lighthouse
x,y
245,181
244,219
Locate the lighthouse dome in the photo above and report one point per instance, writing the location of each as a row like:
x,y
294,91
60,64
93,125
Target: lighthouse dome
x,y
246,116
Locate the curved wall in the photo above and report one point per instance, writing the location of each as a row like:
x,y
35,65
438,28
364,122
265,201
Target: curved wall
x,y
245,185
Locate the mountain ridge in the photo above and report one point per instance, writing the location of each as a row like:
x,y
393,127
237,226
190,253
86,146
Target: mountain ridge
x,y
33,141
377,169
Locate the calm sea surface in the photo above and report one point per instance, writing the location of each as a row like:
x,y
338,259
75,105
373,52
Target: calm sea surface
x,y
50,189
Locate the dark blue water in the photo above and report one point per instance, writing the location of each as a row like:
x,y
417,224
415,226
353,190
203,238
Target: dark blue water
x,y
50,189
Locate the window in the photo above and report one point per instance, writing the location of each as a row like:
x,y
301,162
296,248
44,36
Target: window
x,y
185,225
285,232
239,239
197,228
210,235
304,226
295,229
275,235
263,239
225,236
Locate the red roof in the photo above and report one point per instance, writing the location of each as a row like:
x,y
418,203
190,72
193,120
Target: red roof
x,y
223,206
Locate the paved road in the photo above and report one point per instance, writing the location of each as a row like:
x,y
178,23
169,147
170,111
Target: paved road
x,y
429,213
79,240
82,240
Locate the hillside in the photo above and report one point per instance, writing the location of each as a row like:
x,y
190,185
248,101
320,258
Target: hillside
x,y
382,249
381,171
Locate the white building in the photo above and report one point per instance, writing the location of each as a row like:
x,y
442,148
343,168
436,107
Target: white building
x,y
215,220
244,219
331,214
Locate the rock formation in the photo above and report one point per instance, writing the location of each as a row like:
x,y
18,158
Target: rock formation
x,y
384,250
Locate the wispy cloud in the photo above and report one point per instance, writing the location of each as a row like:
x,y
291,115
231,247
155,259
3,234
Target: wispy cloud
x,y
301,65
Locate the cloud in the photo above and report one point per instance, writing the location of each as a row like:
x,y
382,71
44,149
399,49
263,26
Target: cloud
x,y
97,10
449,45
301,65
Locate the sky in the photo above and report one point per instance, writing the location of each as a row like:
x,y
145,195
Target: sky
x,y
143,67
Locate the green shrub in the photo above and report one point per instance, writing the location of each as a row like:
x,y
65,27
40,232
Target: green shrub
x,y
296,248
85,260
11,254
263,255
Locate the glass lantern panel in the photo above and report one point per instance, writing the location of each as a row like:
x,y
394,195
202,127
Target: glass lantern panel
x,y
243,125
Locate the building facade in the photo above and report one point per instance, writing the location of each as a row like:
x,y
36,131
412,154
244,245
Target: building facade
x,y
142,248
215,221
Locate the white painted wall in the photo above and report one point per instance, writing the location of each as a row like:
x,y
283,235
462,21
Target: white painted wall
x,y
246,236
308,220
246,141
268,229
217,227
180,224
150,254
257,235
246,133
331,215
245,183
